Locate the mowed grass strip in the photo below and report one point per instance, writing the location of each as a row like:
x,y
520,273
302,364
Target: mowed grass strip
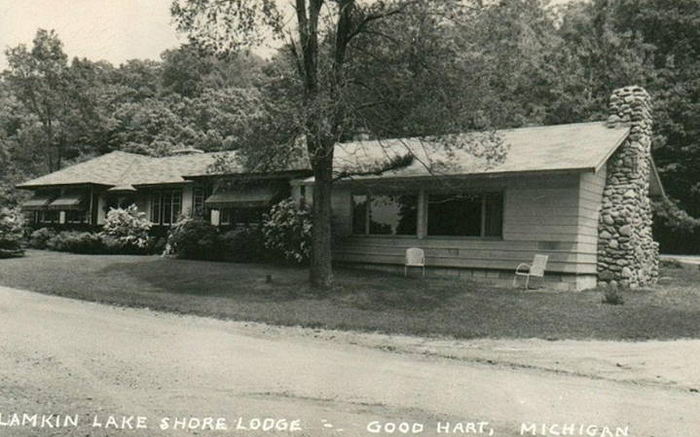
x,y
362,300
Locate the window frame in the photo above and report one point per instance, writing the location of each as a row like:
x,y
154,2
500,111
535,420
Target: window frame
x,y
483,194
368,213
158,203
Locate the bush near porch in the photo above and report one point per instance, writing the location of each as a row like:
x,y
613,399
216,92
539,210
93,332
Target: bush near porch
x,y
11,233
361,300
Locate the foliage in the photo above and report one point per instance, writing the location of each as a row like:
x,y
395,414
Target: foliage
x,y
76,242
127,226
322,41
39,238
612,296
287,231
193,239
671,263
243,245
11,232
667,213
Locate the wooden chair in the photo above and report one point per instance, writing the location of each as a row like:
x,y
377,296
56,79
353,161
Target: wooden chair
x,y
536,269
415,257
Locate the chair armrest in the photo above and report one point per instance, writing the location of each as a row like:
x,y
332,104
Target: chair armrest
x,y
522,265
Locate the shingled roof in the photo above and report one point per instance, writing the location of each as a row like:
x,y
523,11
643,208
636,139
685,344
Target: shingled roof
x,y
567,147
122,169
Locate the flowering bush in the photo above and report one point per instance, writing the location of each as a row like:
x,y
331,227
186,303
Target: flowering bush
x,y
287,231
11,232
128,227
193,238
39,238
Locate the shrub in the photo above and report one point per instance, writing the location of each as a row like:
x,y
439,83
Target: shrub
x,y
287,231
193,239
157,245
76,242
128,227
242,245
11,232
612,295
39,238
670,263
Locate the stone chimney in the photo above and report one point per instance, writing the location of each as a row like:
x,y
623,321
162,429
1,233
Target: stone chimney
x,y
628,256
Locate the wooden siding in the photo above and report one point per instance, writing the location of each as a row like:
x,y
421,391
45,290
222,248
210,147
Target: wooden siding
x,y
591,189
552,215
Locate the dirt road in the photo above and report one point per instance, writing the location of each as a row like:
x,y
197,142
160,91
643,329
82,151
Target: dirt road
x,y
68,358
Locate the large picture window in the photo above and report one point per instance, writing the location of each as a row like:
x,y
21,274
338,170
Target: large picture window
x,y
166,206
465,215
385,214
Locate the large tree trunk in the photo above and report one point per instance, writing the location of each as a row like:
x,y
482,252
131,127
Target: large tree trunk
x,y
321,271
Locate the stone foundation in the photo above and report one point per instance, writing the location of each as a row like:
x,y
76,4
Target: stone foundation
x,y
627,254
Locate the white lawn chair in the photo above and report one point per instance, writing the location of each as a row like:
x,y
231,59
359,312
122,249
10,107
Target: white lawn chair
x,y
536,269
415,257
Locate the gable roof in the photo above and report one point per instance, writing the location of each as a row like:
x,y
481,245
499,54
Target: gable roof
x,y
567,147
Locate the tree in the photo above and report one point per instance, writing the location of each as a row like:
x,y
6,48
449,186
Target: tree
x,y
320,45
39,79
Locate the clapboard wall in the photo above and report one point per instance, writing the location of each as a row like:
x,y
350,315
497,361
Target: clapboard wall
x,y
556,215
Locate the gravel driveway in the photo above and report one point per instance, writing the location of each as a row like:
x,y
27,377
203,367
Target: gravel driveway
x,y
66,357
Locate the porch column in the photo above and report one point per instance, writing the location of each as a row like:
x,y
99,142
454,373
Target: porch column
x,y
422,214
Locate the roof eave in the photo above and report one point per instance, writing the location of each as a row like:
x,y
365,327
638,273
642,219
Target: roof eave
x,y
612,150
259,175
487,175
29,186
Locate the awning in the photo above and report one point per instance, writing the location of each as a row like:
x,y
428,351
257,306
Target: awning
x,y
122,189
248,198
36,203
68,201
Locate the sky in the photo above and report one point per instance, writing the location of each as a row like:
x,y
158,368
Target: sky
x,y
111,30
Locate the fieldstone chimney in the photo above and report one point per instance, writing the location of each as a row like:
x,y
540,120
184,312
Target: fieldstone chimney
x,y
628,256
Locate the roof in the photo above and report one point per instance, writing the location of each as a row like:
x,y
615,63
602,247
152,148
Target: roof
x,y
125,170
107,169
568,147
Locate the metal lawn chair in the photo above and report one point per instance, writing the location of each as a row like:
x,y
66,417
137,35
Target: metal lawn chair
x,y
536,269
415,257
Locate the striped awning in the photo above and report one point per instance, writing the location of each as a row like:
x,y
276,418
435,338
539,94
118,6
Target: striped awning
x,y
68,201
249,198
36,203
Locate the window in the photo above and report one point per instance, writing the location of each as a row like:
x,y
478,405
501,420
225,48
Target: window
x,y
465,214
385,214
166,206
76,216
47,216
123,202
198,198
302,196
242,216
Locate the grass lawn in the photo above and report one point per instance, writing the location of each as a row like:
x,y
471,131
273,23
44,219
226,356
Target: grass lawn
x,y
366,301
